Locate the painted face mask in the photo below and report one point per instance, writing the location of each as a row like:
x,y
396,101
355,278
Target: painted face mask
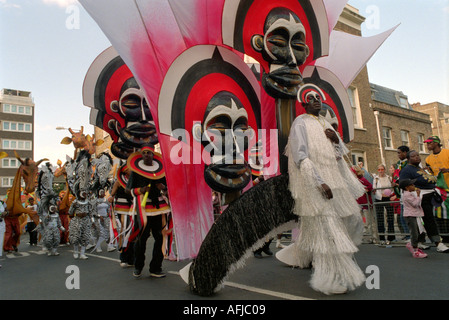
x,y
225,134
284,47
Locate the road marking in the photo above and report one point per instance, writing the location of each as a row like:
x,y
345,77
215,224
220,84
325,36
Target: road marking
x,y
259,290
40,252
101,257
276,294
16,255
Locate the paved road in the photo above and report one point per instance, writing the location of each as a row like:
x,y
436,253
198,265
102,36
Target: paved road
x,y
392,273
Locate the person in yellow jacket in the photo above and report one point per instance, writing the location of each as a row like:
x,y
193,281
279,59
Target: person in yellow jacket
x,y
438,160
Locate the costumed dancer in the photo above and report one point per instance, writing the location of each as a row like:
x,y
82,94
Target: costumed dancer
x,y
66,199
79,173
80,225
63,209
146,181
12,230
122,203
95,228
325,193
31,226
114,229
101,220
52,224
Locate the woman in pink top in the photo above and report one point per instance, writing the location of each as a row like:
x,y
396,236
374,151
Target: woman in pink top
x,y
412,210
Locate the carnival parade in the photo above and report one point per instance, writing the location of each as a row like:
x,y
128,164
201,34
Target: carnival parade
x,y
224,137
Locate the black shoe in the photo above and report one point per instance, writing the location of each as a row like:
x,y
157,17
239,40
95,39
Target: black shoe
x,y
137,273
258,255
159,274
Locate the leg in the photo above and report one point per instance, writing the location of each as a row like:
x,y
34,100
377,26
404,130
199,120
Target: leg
x,y
414,232
12,233
140,248
8,235
380,219
429,220
158,256
65,223
390,221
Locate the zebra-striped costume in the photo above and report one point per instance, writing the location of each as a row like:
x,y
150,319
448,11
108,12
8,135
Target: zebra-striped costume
x,y
51,236
80,226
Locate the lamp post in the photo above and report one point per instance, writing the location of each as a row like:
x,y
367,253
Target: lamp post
x,y
64,128
376,114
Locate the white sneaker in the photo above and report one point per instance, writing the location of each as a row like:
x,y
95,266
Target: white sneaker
x,y
76,255
99,249
83,257
110,249
90,246
442,248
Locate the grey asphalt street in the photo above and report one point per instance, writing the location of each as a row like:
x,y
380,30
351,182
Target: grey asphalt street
x,y
392,274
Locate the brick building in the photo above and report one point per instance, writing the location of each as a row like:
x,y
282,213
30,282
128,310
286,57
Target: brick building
x,y
439,115
364,147
383,118
398,124
16,133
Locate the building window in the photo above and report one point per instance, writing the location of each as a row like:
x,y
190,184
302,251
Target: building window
x,y
421,143
11,108
405,138
355,104
10,163
7,182
16,144
358,156
17,126
403,102
388,144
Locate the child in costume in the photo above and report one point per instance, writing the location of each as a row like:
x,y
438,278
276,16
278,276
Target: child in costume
x,y
80,225
53,226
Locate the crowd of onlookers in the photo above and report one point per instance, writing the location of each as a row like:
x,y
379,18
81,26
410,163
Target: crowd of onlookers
x,y
411,195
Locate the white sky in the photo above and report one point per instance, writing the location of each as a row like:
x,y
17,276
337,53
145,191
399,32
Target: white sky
x,y
45,51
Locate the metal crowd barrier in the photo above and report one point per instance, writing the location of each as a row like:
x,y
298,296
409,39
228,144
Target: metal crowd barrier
x,y
385,225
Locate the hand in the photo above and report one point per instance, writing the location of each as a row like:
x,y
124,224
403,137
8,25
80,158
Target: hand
x,y
418,191
161,186
144,190
428,169
331,135
327,192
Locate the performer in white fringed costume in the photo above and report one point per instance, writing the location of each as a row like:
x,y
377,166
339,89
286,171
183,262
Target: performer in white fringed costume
x,y
325,193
